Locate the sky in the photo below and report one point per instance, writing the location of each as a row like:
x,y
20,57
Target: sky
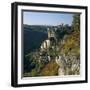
x,y
46,18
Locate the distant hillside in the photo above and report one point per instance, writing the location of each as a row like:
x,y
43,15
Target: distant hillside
x,y
32,39
40,28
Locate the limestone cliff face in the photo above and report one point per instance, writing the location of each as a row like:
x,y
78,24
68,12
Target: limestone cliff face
x,y
61,62
70,51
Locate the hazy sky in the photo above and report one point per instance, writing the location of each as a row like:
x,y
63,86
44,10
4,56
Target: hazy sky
x,y
44,18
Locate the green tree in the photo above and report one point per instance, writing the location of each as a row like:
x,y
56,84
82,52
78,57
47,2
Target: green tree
x,y
76,22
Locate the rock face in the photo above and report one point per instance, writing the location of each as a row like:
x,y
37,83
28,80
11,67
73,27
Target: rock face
x,y
68,65
60,60
73,64
61,71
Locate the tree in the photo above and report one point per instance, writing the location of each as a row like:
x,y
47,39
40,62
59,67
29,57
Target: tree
x,y
76,22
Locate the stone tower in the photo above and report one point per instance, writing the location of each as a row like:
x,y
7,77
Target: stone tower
x,y
51,33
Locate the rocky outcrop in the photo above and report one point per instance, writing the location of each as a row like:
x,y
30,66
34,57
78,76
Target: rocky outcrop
x,y
68,65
